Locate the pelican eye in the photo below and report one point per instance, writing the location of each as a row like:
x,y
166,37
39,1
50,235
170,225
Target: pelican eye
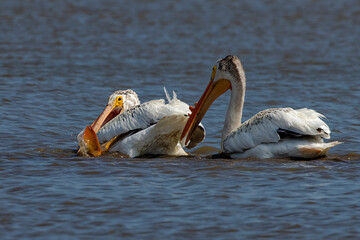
x,y
118,102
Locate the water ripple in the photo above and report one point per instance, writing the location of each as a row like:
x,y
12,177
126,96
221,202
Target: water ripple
x,y
61,59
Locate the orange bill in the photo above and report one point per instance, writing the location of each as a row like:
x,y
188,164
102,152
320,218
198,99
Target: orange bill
x,y
212,92
100,121
90,140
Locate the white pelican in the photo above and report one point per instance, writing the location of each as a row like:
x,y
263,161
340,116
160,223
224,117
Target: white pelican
x,y
134,129
271,133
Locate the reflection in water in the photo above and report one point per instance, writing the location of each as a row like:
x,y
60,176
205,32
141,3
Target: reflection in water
x,y
61,59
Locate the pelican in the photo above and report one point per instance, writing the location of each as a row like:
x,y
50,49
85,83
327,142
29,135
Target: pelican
x,y
134,129
271,133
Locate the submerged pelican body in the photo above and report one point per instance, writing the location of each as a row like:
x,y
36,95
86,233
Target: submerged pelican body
x,y
271,133
134,129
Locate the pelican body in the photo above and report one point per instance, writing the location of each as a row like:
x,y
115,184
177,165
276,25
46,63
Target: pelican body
x,y
271,133
134,129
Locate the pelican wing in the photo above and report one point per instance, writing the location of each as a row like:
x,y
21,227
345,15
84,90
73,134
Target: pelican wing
x,y
161,138
267,126
145,115
140,117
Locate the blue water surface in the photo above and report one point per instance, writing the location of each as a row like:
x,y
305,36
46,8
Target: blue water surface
x,y
60,60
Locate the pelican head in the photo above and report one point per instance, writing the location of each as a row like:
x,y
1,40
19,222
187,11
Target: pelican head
x,y
228,73
118,102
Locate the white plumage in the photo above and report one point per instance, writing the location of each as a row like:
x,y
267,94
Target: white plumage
x,y
271,133
150,128
161,138
266,125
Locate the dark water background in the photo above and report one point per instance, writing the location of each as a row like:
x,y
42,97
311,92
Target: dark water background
x,y
59,61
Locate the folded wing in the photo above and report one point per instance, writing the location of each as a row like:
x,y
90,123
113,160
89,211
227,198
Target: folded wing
x,y
271,125
145,115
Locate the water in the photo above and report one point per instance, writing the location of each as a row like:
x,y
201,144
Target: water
x,y
59,61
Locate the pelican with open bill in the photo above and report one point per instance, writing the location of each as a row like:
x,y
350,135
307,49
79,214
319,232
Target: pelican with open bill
x,y
134,129
271,133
